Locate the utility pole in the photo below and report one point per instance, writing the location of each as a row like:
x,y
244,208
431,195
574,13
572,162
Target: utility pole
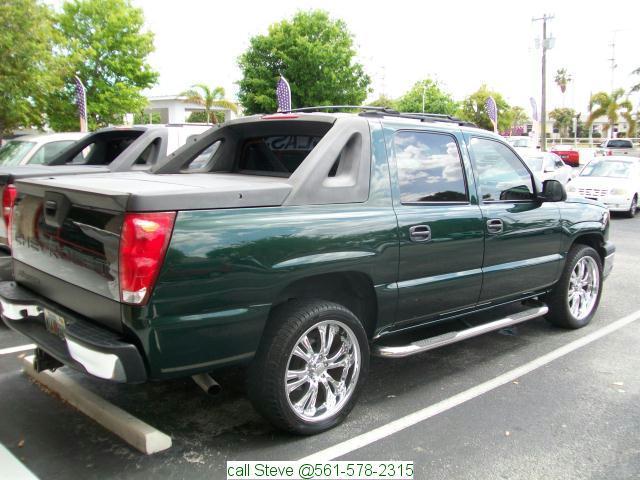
x,y
546,44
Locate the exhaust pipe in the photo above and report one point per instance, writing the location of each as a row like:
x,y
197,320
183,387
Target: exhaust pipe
x,y
207,383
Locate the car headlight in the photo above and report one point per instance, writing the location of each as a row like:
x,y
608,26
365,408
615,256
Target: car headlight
x,y
618,191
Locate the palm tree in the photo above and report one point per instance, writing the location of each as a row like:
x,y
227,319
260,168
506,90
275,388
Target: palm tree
x,y
209,98
610,106
562,79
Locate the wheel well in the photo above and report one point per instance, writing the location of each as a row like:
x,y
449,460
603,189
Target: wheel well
x,y
353,290
594,241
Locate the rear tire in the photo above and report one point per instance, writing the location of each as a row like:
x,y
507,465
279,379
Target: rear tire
x,y
310,366
633,208
575,298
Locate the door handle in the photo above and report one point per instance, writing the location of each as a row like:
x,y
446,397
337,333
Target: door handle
x,y
495,225
420,233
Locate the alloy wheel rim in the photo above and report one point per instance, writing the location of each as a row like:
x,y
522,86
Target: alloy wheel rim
x,y
584,285
322,371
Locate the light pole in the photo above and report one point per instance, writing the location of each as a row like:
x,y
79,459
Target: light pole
x,y
546,44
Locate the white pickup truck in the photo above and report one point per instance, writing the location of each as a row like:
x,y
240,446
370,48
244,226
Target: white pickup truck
x,y
618,146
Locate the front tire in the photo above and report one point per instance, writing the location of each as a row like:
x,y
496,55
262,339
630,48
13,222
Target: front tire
x,y
575,298
310,366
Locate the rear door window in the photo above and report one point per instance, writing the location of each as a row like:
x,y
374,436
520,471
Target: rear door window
x,y
429,168
49,151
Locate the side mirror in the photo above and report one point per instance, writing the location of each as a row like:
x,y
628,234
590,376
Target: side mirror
x,y
553,191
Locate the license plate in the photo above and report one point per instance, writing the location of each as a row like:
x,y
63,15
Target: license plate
x,y
54,322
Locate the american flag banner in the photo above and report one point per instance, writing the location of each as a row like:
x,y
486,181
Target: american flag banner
x,y
492,111
81,102
283,94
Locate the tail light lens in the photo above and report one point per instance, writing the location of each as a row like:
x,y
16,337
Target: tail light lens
x,y
609,153
143,245
8,200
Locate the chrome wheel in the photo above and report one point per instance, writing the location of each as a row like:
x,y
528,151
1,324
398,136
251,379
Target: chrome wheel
x,y
322,371
584,286
634,207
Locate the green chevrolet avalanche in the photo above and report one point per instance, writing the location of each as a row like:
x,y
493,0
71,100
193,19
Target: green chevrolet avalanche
x,y
298,245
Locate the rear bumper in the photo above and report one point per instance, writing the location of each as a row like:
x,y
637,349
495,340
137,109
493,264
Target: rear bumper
x,y
610,253
78,343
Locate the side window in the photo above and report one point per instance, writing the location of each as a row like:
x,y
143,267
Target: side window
x,y
48,152
429,167
204,158
501,174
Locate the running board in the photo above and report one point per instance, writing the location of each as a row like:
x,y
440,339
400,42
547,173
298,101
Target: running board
x,y
453,337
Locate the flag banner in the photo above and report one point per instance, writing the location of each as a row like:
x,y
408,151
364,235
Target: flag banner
x,y
534,109
492,112
283,95
81,102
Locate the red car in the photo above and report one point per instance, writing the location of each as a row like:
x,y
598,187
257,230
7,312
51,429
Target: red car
x,y
568,154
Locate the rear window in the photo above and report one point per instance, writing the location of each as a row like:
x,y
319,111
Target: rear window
x,y
620,144
275,155
13,152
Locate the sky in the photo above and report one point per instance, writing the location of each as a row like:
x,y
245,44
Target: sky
x,y
460,43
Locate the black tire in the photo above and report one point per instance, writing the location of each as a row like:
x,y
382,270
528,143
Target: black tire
x,y
266,382
633,208
558,299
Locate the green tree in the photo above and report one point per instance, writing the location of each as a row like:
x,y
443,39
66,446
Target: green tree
x,y
636,87
200,116
142,118
28,71
473,109
562,79
201,94
563,119
612,106
314,53
518,116
384,101
435,99
105,46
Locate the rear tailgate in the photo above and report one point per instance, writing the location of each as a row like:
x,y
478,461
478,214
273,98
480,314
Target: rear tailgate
x,y
65,247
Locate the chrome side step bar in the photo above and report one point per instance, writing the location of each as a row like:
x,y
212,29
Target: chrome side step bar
x,y
453,337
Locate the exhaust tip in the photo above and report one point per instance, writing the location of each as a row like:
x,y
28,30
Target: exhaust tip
x,y
207,383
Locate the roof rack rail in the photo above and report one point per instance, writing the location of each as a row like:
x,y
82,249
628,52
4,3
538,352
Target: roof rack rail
x,y
367,110
342,107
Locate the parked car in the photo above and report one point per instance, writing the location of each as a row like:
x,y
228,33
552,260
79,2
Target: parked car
x,y
618,147
568,153
614,181
111,149
36,149
521,142
547,166
304,242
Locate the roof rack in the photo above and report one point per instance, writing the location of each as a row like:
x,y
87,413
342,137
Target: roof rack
x,y
388,112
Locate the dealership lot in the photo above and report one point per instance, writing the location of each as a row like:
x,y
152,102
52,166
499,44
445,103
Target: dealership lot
x,y
574,417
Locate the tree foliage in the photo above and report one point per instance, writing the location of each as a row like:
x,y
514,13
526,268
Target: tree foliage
x,y
518,116
209,98
612,106
435,99
562,79
28,71
473,109
314,53
563,119
384,101
103,43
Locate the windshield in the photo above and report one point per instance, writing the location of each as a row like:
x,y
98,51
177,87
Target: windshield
x,y
620,144
518,142
534,163
607,168
13,152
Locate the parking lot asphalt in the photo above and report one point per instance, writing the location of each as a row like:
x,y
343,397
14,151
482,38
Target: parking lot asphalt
x,y
575,417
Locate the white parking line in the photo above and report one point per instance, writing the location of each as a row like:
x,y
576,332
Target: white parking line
x,y
12,468
19,348
407,421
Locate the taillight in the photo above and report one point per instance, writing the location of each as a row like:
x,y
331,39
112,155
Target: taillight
x,y
143,244
8,200
609,152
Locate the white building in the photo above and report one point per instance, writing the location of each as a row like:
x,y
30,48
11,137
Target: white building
x,y
175,108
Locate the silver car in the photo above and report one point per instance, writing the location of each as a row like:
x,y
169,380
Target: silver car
x,y
36,149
